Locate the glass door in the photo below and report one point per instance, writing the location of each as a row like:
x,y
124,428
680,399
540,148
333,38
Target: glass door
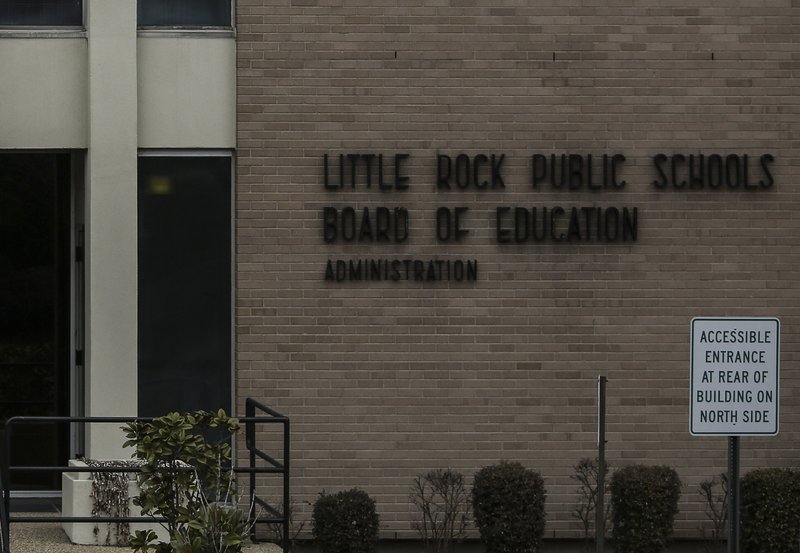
x,y
35,268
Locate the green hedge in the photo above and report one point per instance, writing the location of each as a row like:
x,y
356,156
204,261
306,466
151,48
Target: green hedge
x,y
508,504
770,511
345,522
644,502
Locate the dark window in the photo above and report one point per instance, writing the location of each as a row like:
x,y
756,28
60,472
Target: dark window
x,y
185,318
35,308
51,13
184,13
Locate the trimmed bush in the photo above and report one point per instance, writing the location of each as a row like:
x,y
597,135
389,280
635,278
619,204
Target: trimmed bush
x,y
508,504
345,522
644,501
770,511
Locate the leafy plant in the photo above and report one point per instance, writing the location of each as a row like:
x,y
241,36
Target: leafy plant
x,y
770,511
508,503
644,500
586,474
715,493
345,522
215,527
186,480
441,500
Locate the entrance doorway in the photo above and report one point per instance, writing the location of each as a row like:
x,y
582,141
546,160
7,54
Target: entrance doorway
x,y
35,308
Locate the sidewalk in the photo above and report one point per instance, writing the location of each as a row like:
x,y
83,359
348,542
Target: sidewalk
x,y
50,538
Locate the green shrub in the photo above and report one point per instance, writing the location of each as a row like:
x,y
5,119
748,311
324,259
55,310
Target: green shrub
x,y
770,511
644,502
186,480
508,504
214,528
345,522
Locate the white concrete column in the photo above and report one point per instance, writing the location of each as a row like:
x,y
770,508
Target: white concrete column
x,y
111,235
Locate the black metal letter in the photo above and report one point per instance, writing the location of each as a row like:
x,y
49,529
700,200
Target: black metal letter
x,y
615,160
497,178
348,223
329,217
538,169
443,218
502,234
459,232
443,169
715,164
765,160
575,171
400,179
401,218
462,171
365,230
657,161
479,161
733,159
382,224
675,159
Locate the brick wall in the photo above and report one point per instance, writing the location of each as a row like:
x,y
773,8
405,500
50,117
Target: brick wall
x,y
384,379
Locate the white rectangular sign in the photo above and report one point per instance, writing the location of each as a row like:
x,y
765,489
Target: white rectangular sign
x,y
735,366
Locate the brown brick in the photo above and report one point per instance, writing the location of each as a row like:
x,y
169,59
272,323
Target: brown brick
x,y
385,380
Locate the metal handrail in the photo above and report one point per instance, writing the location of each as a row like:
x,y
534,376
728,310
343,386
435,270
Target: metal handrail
x,y
250,421
251,405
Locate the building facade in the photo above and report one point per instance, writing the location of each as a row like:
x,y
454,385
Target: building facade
x,y
453,216
116,163
422,230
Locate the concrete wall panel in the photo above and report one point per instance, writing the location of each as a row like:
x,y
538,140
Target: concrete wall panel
x,y
43,93
187,95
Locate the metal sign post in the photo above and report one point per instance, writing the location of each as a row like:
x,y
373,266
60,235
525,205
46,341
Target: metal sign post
x,y
733,494
735,388
600,502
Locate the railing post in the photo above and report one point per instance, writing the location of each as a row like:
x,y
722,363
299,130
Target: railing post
x,y
286,509
250,443
4,524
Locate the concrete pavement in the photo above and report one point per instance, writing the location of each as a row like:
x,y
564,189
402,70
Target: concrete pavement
x,y
50,538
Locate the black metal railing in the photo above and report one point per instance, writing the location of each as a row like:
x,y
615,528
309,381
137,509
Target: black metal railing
x,y
279,515
251,423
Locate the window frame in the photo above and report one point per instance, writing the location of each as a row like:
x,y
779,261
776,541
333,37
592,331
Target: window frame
x,y
161,30
231,154
47,30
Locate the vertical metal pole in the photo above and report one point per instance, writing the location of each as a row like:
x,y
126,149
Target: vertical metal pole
x,y
600,515
5,491
250,442
287,527
733,490
5,532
